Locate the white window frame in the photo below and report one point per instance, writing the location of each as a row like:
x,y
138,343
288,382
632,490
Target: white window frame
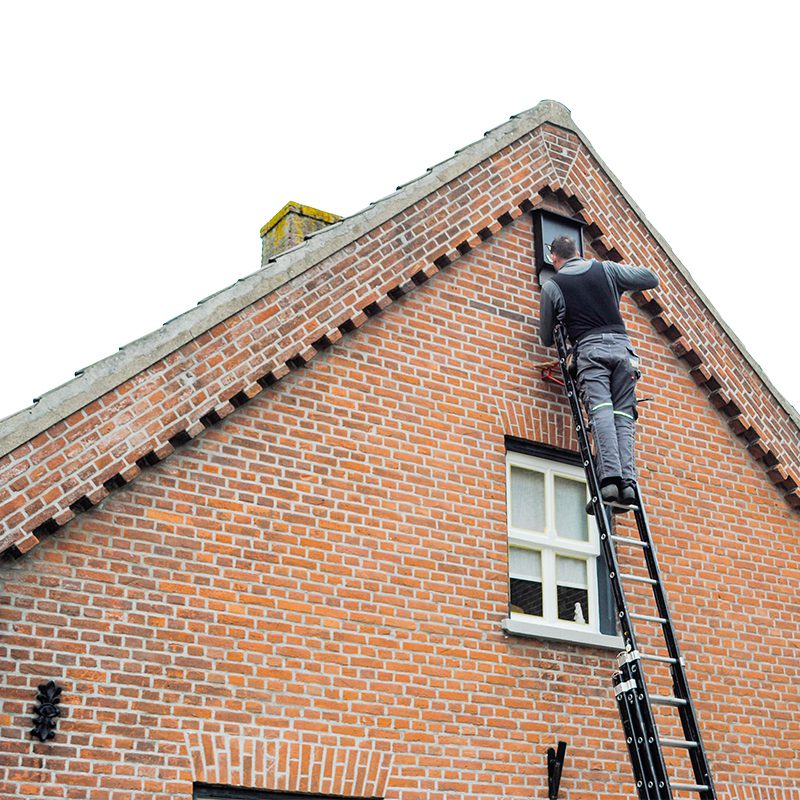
x,y
550,545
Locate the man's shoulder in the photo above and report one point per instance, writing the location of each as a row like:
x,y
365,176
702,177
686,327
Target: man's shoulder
x,y
550,289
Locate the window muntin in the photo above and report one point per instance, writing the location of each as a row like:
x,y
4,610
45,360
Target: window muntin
x,y
553,544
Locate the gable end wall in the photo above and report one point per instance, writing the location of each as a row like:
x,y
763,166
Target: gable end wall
x,y
76,463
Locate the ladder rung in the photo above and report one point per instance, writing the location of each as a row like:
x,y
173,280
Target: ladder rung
x,y
689,787
628,540
663,659
648,618
637,578
620,506
664,700
678,743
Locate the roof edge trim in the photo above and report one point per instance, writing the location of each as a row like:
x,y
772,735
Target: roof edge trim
x,y
103,376
785,404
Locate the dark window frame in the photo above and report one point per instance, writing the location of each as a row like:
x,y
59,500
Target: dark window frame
x,y
528,448
211,791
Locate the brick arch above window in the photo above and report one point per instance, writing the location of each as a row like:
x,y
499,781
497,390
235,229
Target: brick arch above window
x,y
254,762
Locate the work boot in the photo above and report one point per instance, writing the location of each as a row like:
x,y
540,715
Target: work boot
x,y
609,494
627,499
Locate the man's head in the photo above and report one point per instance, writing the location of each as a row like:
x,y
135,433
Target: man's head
x,y
562,249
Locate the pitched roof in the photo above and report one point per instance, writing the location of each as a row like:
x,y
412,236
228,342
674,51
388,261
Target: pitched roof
x,y
95,433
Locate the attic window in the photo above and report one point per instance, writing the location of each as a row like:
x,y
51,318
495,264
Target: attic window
x,y
546,226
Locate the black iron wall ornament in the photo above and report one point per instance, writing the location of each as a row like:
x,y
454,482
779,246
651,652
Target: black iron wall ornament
x,y
555,763
47,711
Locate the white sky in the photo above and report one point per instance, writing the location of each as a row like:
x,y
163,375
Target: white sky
x,y
143,144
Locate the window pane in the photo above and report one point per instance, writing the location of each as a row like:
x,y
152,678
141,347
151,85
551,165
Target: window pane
x,y
571,571
571,519
526,597
573,604
525,563
527,499
572,589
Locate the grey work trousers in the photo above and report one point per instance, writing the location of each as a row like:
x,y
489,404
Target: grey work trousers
x,y
608,369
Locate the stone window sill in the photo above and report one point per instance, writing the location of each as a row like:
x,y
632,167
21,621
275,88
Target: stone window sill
x,y
537,630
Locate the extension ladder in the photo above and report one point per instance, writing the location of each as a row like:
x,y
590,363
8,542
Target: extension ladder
x,y
636,706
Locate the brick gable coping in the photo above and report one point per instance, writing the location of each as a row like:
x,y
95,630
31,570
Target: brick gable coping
x,y
94,381
88,437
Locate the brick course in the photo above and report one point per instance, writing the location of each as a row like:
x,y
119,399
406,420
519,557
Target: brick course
x,y
307,593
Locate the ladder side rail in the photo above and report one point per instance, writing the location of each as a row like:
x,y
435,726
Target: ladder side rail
x,y
654,754
634,735
631,668
658,786
687,712
654,572
601,518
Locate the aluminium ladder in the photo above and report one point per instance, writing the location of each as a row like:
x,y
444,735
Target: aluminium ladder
x,y
645,746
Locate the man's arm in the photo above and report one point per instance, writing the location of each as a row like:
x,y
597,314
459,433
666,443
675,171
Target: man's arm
x,y
629,279
552,311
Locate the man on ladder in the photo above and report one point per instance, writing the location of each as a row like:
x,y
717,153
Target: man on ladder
x,y
584,296
582,303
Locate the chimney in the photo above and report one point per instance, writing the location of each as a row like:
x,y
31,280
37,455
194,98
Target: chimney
x,y
290,226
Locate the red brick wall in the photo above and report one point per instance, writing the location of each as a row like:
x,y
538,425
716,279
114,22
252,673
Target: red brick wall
x,y
308,595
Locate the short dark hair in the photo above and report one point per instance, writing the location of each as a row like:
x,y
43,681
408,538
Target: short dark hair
x,y
564,247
